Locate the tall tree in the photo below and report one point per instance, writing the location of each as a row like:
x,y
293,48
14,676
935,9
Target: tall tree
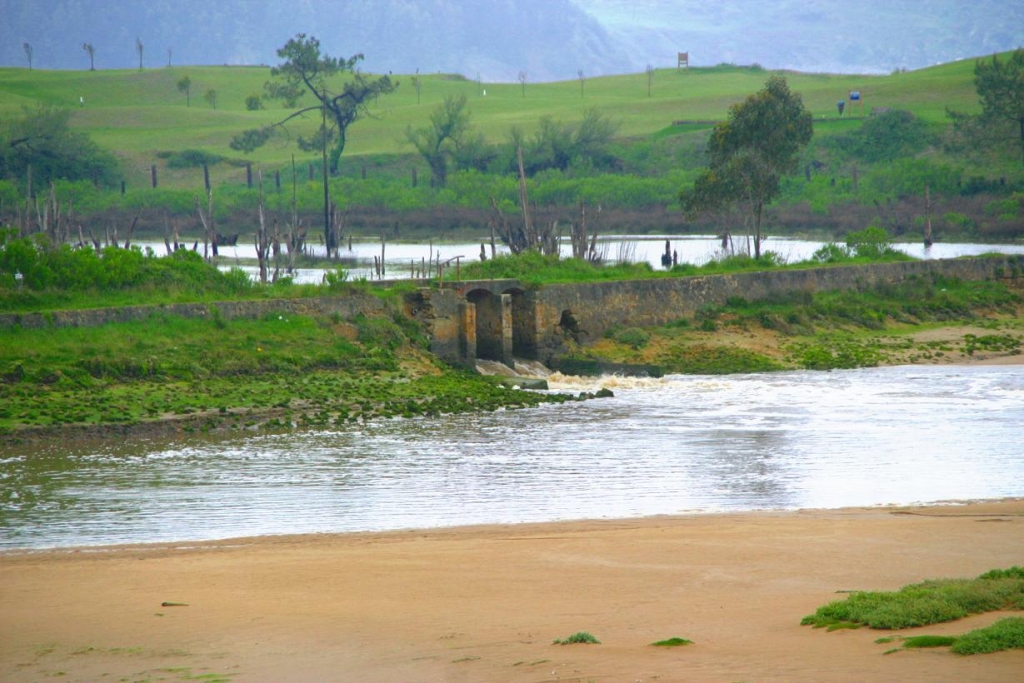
x,y
211,97
750,152
139,48
440,141
28,53
306,70
91,51
185,86
1000,87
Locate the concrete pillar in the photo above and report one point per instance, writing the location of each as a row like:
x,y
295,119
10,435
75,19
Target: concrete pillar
x,y
467,333
506,330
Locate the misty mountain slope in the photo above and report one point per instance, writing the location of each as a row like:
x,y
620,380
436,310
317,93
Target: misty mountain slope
x,y
495,39
870,36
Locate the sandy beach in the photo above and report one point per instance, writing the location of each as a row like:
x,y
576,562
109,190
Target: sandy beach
x,y
485,603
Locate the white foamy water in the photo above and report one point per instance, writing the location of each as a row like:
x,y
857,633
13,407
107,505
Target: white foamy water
x,y
660,446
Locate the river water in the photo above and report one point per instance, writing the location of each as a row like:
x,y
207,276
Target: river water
x,y
401,258
661,446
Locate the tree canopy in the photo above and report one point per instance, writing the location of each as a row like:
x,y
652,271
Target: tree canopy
x,y
1000,86
884,137
750,152
43,139
307,70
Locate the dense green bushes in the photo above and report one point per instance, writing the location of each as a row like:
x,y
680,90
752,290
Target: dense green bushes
x,y
34,275
42,139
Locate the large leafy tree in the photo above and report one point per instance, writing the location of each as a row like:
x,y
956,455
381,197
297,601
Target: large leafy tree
x,y
42,138
307,70
1000,86
750,152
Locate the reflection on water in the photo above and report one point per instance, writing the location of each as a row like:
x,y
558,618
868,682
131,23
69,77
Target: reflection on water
x,y
787,440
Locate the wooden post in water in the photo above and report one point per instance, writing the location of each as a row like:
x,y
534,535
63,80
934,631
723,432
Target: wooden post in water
x,y
927,218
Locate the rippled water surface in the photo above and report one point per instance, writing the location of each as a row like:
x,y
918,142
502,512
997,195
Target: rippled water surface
x,y
679,444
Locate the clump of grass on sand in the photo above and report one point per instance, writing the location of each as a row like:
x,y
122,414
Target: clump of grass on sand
x,y
672,642
580,637
932,602
1005,634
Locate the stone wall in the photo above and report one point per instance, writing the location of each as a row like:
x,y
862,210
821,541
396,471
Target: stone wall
x,y
501,316
345,306
595,307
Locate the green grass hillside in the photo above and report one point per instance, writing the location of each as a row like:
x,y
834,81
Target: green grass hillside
x,y
140,113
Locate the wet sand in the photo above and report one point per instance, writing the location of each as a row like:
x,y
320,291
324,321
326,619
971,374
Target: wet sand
x,y
484,603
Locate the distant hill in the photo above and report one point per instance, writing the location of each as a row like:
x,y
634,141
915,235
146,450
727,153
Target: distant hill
x,y
496,39
834,36
492,39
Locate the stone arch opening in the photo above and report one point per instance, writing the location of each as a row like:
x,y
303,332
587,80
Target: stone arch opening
x,y
524,324
570,326
490,325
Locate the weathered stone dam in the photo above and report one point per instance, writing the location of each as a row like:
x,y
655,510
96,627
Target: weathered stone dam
x,y
501,319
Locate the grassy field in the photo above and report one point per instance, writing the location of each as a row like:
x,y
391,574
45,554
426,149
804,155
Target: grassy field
x,y
141,113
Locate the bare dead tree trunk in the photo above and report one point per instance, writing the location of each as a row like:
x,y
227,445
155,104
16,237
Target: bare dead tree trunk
x,y
578,236
131,229
262,238
927,218
53,218
523,200
509,235
26,228
275,245
209,236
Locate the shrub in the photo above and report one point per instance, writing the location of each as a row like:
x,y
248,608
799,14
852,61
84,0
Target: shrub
x,y
580,637
1005,634
872,243
632,336
336,279
192,158
832,253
